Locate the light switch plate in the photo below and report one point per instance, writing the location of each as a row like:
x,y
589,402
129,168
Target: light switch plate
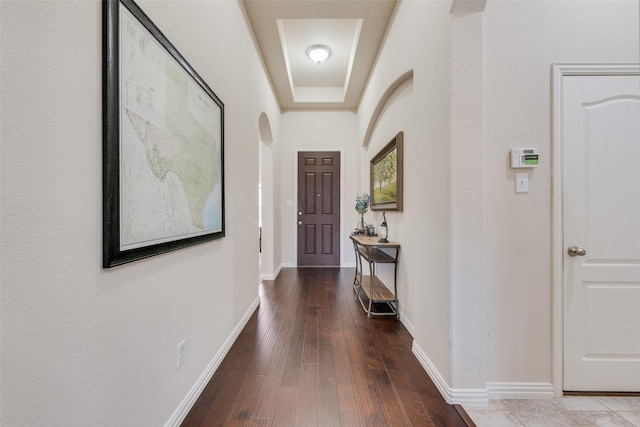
x,y
522,183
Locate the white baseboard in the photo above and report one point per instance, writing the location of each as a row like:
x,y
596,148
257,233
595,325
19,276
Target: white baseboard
x,y
187,403
273,276
520,390
481,397
288,265
470,397
349,265
433,373
407,324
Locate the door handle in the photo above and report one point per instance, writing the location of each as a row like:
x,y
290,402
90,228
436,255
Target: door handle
x,y
576,251
299,222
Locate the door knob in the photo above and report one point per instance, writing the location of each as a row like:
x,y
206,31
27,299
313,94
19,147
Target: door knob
x,y
299,222
576,251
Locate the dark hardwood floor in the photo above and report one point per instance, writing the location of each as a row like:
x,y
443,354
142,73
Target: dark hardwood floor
x,y
309,356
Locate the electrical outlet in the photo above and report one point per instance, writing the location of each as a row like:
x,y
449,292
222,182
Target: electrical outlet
x,y
180,353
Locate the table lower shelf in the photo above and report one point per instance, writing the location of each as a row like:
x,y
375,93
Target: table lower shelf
x,y
380,291
379,301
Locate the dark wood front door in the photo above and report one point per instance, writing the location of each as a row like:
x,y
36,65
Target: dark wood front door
x,y
318,208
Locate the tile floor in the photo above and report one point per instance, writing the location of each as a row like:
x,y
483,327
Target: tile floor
x,y
565,411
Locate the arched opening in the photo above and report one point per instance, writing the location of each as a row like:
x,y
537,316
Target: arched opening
x,y
265,198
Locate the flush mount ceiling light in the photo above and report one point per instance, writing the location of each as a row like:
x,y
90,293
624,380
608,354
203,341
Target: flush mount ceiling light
x,y
318,53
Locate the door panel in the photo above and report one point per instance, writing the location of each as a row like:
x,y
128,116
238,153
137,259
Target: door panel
x,y
318,209
601,205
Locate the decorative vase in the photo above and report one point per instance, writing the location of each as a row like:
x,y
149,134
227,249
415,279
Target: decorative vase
x,y
362,228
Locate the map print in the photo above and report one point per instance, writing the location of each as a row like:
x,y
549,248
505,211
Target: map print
x,y
170,152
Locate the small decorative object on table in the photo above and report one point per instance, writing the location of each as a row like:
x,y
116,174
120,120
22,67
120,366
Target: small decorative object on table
x,y
383,230
362,206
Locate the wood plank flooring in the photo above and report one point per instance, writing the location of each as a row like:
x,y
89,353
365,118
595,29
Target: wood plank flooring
x,y
309,356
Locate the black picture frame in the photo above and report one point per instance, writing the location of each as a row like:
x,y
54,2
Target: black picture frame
x,y
386,176
163,143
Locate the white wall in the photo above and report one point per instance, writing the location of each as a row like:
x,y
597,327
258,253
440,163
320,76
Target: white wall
x,y
480,287
82,345
467,201
318,131
403,226
521,41
270,248
418,40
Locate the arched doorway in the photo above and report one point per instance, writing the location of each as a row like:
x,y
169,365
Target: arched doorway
x,y
266,198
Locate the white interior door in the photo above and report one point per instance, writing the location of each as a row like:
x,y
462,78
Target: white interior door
x,y
601,219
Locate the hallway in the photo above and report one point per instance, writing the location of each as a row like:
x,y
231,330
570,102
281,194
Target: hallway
x,y
310,356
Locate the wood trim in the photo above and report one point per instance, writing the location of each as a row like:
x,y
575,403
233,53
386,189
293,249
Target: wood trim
x,y
463,414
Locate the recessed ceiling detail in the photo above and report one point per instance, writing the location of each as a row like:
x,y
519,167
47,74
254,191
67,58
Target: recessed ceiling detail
x,y
285,30
326,82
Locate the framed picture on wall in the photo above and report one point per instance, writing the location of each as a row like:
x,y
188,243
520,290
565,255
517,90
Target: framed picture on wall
x,y
386,176
163,143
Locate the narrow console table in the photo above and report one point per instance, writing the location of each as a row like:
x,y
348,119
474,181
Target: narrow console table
x,y
369,289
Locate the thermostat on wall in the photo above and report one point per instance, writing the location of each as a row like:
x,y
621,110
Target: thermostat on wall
x,y
524,157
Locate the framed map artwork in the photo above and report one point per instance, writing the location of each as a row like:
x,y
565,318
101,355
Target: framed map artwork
x,y
163,143
386,176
